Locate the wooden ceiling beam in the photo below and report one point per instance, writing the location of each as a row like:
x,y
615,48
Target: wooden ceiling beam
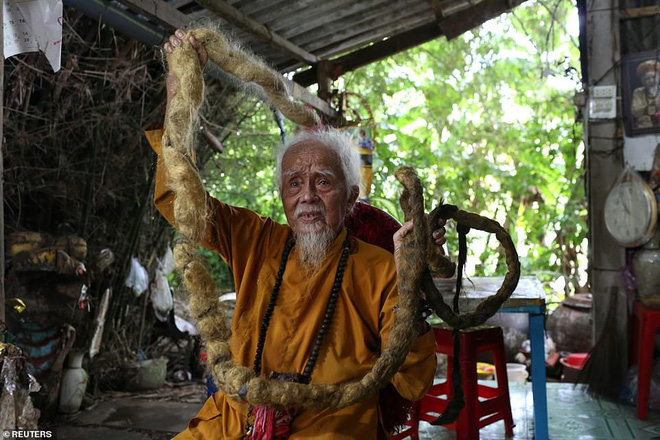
x,y
170,18
437,10
375,52
228,12
642,12
467,19
347,41
361,40
449,25
159,12
180,3
302,94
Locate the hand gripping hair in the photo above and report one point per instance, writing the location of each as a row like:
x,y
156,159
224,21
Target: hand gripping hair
x,y
190,213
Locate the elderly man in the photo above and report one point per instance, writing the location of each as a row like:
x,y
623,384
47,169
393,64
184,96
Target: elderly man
x,y
319,179
645,105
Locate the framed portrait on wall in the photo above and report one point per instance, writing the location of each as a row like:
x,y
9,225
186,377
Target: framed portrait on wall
x,y
641,93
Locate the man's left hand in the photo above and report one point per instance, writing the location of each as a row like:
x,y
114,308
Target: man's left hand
x,y
438,234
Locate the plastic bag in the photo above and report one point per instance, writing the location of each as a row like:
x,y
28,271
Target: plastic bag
x,y
185,326
7,405
138,277
104,259
166,265
16,409
549,346
629,391
161,296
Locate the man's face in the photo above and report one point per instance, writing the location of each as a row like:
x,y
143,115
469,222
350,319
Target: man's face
x,y
651,79
314,191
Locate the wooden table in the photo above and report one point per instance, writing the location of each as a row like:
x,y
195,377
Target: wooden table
x,y
527,298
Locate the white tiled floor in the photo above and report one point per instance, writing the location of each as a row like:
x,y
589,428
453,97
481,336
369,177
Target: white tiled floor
x,y
572,415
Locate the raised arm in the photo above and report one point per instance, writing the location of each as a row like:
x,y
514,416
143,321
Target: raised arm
x,y
224,223
171,81
218,229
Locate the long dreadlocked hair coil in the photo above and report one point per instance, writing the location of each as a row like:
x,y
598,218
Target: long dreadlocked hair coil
x,y
489,306
190,214
486,308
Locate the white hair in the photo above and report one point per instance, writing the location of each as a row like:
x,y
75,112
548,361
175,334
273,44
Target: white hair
x,y
334,140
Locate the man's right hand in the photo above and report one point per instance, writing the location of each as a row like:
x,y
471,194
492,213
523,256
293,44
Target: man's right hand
x,y
175,41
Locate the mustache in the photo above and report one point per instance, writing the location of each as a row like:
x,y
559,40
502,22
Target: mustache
x,y
309,209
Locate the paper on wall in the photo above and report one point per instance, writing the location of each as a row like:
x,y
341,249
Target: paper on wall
x,y
638,151
31,26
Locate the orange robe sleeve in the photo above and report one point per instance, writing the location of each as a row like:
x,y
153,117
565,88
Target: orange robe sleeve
x,y
164,199
231,232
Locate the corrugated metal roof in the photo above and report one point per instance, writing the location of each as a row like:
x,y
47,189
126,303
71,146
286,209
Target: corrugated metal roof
x,y
331,36
332,28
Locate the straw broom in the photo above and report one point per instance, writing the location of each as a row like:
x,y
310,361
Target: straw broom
x,y
605,368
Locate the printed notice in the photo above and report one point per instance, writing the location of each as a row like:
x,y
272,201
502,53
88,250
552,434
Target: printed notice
x,y
33,25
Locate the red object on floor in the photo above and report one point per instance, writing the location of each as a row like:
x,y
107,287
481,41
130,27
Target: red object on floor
x,y
576,360
476,414
646,322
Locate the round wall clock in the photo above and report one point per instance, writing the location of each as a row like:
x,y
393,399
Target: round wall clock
x,y
631,213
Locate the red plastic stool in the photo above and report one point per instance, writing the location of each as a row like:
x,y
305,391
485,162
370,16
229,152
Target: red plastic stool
x,y
483,404
645,324
411,430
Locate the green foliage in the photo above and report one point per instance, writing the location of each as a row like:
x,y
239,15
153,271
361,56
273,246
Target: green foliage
x,y
480,120
244,174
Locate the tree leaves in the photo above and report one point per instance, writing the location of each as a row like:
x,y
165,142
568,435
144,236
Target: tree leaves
x,y
480,120
491,134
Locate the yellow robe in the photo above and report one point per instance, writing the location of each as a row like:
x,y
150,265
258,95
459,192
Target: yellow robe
x,y
252,246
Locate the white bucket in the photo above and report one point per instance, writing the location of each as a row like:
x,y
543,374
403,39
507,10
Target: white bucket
x,y
516,373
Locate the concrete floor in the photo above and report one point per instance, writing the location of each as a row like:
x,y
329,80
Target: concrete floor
x,y
130,419
572,415
156,415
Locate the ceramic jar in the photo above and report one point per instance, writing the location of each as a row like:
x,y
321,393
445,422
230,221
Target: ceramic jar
x,y
570,324
74,384
646,265
148,374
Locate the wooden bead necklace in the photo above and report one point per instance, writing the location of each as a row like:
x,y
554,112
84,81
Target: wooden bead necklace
x,y
306,376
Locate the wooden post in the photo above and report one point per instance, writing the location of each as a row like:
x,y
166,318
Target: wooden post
x,y
324,80
2,171
604,161
145,302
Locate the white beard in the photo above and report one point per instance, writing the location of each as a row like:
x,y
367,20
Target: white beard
x,y
313,244
313,248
